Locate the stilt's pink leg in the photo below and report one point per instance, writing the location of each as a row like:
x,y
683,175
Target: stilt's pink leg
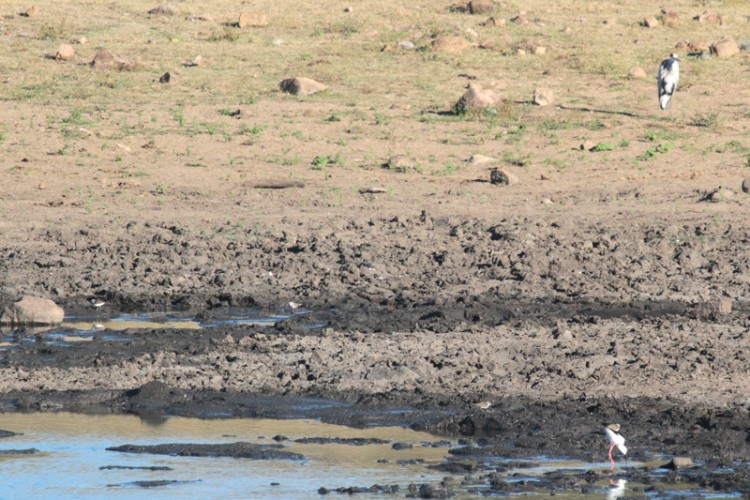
x,y
611,460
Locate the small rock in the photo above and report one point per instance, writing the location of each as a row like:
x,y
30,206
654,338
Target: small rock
x,y
481,160
709,17
547,201
301,86
520,20
348,9
587,146
502,176
650,22
168,78
718,195
670,18
540,50
162,11
65,52
494,21
32,311
746,185
450,44
543,97
406,44
481,6
197,61
105,59
32,11
81,40
680,463
402,446
476,98
400,164
637,73
725,48
610,22
725,305
253,18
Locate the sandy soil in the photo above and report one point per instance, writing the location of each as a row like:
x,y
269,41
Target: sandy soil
x,y
591,286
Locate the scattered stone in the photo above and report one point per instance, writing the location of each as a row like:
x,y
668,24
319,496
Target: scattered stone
x,y
481,160
650,22
502,176
691,47
543,97
481,6
234,450
670,18
725,305
372,190
746,186
402,446
32,311
520,20
539,50
65,52
253,18
168,78
476,98
406,44
725,48
105,59
301,86
709,17
587,146
197,61
494,21
450,44
81,40
201,17
718,195
162,11
637,73
400,164
32,11
680,463
348,9
610,22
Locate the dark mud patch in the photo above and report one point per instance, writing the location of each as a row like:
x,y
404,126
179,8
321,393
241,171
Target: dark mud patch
x,y
26,451
5,434
233,450
157,483
351,490
136,467
337,440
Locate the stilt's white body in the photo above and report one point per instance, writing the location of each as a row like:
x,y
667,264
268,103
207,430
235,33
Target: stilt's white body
x,y
616,439
669,75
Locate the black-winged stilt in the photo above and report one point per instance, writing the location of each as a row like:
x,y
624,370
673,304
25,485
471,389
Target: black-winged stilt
x,y
615,439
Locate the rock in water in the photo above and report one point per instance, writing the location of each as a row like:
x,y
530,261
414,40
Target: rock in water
x,y
32,311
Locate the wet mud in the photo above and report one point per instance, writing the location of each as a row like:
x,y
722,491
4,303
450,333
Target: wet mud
x,y
233,450
410,320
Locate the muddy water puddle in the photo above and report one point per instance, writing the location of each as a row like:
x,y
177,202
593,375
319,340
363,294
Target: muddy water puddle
x,y
111,325
65,455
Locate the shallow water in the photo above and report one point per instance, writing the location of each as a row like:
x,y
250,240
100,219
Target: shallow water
x,y
72,449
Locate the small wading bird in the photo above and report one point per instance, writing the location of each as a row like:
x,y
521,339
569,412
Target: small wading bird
x,y
669,75
97,303
615,439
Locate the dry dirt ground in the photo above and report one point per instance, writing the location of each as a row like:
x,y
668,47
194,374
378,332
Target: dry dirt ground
x,y
591,286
